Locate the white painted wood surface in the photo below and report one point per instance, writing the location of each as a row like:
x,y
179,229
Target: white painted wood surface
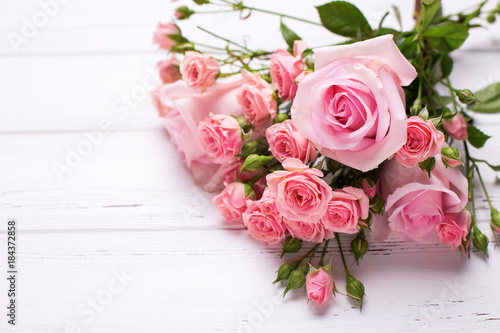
x,y
130,208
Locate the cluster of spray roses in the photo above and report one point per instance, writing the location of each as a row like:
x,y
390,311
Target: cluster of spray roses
x,y
318,144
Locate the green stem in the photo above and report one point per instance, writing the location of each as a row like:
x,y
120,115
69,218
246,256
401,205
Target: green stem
x,y
342,254
323,253
225,39
470,174
482,185
313,251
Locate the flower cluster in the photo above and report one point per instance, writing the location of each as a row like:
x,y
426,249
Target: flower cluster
x,y
327,141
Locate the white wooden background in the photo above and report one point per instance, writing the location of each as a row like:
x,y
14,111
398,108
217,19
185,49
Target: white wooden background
x,y
129,208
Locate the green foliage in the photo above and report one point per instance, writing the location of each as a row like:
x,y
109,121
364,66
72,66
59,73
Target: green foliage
x,y
345,19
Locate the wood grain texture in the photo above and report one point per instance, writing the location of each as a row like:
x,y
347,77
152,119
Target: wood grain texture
x,y
125,242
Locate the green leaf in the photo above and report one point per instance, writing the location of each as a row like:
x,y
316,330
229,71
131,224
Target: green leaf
x,y
345,19
288,35
476,137
489,99
446,65
397,13
428,165
447,37
428,11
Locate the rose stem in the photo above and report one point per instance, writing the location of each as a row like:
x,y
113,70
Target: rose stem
x,y
226,40
324,252
342,255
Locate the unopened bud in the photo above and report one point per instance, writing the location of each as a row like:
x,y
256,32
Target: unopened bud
x,y
355,289
495,220
254,162
291,245
480,241
359,246
451,157
280,117
296,280
466,96
183,13
201,2
249,148
491,18
285,270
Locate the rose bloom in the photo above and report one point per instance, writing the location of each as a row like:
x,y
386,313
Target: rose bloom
x,y
456,127
319,286
184,108
285,68
264,222
231,202
169,70
352,106
256,98
345,209
231,172
199,70
307,231
454,229
301,195
286,142
220,137
423,141
415,203
163,35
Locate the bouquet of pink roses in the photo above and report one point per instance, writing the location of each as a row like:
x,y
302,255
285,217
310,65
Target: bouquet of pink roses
x,y
308,145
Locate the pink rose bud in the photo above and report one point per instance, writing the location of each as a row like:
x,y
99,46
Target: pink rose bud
x,y
495,220
346,208
199,70
451,157
220,137
423,141
232,202
319,285
456,127
285,68
454,229
169,70
231,172
350,107
370,189
256,98
264,222
301,195
286,142
165,35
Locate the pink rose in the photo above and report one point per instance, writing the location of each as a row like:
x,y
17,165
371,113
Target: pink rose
x,y
456,127
231,202
301,195
286,142
264,222
184,108
346,208
423,141
415,203
454,229
199,70
165,35
307,231
169,70
231,172
285,68
220,137
319,286
256,98
352,106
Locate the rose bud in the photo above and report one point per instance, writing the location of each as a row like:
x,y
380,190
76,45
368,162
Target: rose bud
x,y
454,229
285,270
480,241
166,36
456,127
466,96
169,70
423,141
291,245
495,220
231,202
199,70
183,13
220,137
285,68
296,279
319,285
355,289
286,142
359,246
451,157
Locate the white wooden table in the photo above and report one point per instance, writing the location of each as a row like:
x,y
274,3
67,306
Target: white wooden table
x,y
122,241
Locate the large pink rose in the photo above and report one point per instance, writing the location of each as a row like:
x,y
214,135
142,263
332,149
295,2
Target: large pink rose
x,y
319,285
423,141
199,70
352,106
264,222
285,68
307,231
415,203
184,108
286,142
454,229
164,35
256,98
301,195
231,202
220,137
169,69
346,208
456,127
